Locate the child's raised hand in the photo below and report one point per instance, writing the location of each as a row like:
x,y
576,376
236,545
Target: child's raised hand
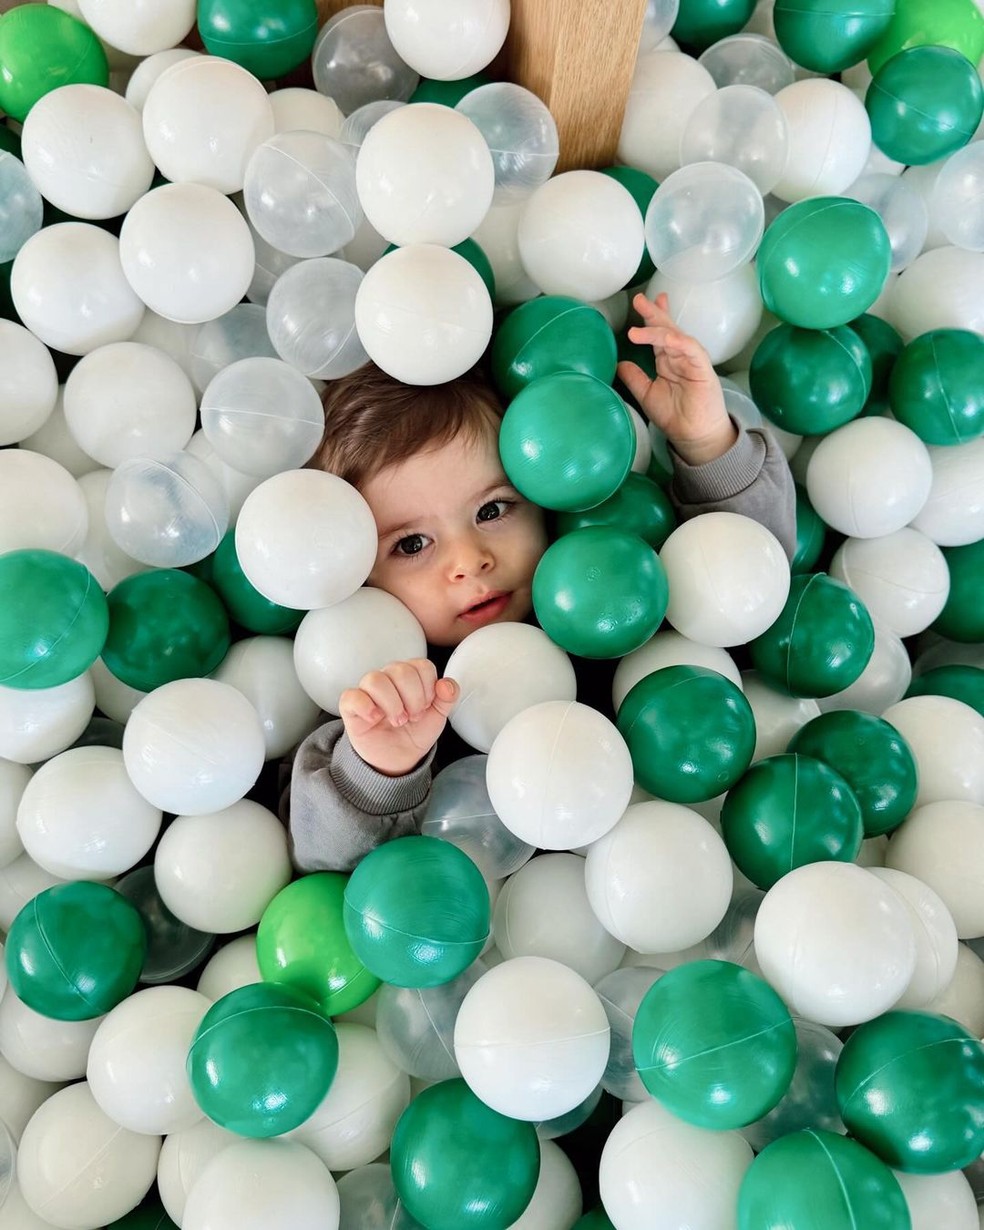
x,y
685,400
395,716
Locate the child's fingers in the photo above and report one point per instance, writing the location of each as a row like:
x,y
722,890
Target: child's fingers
x,y
381,689
414,684
634,379
653,310
356,706
446,692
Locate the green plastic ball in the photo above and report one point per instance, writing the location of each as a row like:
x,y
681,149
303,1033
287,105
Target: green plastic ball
x,y
301,942
75,951
164,625
597,1219
600,592
827,36
550,334
936,388
53,619
639,507
811,533
910,1086
642,188
923,104
447,93
474,254
245,604
262,1060
871,756
567,441
809,381
459,1165
269,38
949,23
821,642
714,1043
700,23
416,912
962,617
963,683
690,732
41,48
818,1180
147,1217
884,345
823,261
789,810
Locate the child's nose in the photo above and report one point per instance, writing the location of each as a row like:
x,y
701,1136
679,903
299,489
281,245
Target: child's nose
x,y
470,557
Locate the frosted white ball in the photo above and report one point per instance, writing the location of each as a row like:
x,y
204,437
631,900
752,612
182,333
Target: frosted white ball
x,y
723,315
354,1122
869,477
901,209
947,741
184,1155
243,1182
78,1169
41,504
902,578
54,440
81,817
84,148
149,69
129,400
882,682
658,1172
38,723
666,87
28,383
669,648
187,252
202,120
543,911
311,317
963,999
240,333
835,942
41,1047
497,238
21,1096
137,1060
556,1202
21,207
942,844
829,138
355,63
935,934
295,108
728,578
939,1200
219,871
193,746
778,716
306,539
942,289
661,879
955,197
581,234
520,132
423,314
741,126
116,699
415,1025
234,965
262,668
13,779
139,28
69,288
234,484
559,775
501,670
425,175
531,1039
953,514
336,645
447,39
170,336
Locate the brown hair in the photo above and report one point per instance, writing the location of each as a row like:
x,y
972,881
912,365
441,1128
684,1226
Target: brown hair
x,y
373,420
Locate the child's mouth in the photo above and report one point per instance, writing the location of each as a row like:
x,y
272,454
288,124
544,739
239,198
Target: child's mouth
x,y
488,609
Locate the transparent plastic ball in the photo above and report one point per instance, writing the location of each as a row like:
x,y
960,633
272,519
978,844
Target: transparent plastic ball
x,y
368,1200
446,40
723,315
354,62
742,126
166,512
240,333
900,208
520,132
749,59
299,193
269,264
621,992
415,1025
262,416
310,316
957,197
357,125
20,206
809,1101
657,21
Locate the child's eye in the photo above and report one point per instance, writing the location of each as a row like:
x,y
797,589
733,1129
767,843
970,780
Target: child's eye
x,y
493,510
411,544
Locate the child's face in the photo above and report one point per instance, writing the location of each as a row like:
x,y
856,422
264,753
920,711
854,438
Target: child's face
x,y
457,543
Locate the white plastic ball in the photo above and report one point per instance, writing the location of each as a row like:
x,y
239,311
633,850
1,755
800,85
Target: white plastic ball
x,y
137,1060
829,138
882,682
963,999
502,669
947,740
129,400
240,333
184,1155
114,698
669,648
295,108
139,27
902,578
749,58
778,715
581,234
354,62
425,175
77,1168
901,209
21,1096
497,238
942,289
13,780
218,871
556,1202
336,645
724,315
659,1173
38,723
174,338
741,126
40,1046
83,147
41,505
953,515
166,512
21,207
531,1039
559,775
446,40
55,441
149,69
186,252
193,746
520,132
369,1201
415,1025
107,562
232,966
202,119
935,934
942,844
28,383
262,668
310,317
666,87
939,1200
306,539
69,288
956,197
423,314
835,942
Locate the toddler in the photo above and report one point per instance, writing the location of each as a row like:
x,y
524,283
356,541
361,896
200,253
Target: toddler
x,y
458,545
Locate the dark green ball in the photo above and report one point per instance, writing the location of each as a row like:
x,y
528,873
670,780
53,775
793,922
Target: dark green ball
x,y
827,36
811,533
963,683
642,187
640,507
936,388
884,345
269,38
809,381
700,23
549,334
447,93
242,600
962,617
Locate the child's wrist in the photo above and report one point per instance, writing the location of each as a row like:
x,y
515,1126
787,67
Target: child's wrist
x,y
702,449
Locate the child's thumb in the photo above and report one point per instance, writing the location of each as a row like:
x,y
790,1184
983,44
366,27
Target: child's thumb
x,y
446,693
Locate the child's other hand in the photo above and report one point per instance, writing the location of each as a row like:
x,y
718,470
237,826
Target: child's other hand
x,y
685,400
395,716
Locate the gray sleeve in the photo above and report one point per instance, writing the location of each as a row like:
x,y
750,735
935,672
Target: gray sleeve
x,y
338,808
752,478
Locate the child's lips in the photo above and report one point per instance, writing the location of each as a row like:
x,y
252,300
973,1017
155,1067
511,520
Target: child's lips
x,y
488,608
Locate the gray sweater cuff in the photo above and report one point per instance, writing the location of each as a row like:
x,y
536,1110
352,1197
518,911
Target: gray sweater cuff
x,y
373,792
724,477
